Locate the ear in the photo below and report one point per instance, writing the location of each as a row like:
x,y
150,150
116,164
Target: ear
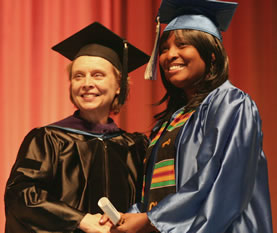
x,y
213,58
117,91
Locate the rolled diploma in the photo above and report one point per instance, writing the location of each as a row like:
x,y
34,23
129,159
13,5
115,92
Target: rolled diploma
x,y
109,210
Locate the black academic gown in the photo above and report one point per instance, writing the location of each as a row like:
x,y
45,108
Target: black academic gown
x,y
60,174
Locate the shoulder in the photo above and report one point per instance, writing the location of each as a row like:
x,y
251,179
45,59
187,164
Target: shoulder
x,y
48,134
38,135
228,97
135,135
228,104
135,138
36,132
226,90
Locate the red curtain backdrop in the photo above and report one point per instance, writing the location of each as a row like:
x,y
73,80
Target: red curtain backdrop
x,y
34,83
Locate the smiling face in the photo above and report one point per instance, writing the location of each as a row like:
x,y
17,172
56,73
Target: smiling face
x,y
181,63
93,87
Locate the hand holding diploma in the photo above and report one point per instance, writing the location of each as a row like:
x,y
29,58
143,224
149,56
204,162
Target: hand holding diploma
x,y
90,224
122,222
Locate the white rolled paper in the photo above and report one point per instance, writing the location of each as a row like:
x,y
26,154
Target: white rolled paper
x,y
108,208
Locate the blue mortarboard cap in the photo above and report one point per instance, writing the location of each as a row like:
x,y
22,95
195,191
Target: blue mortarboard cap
x,y
189,22
209,16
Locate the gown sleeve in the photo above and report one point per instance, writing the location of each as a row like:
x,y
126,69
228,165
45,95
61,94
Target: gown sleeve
x,y
224,139
29,200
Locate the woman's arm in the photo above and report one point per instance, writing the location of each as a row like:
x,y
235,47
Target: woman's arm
x,y
28,199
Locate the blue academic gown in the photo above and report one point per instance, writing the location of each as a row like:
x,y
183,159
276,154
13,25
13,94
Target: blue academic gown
x,y
221,170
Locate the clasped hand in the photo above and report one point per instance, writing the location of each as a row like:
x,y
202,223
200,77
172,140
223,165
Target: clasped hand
x,y
90,224
130,223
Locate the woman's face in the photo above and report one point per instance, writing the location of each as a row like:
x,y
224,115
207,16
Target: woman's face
x,y
93,85
181,63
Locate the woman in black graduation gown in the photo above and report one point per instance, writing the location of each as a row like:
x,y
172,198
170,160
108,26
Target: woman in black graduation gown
x,y
64,168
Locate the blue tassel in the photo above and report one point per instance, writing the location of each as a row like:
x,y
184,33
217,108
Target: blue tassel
x,y
151,69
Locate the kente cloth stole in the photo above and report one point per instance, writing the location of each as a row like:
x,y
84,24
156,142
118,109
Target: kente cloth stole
x,y
162,150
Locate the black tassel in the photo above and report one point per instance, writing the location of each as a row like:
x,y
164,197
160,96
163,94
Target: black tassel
x,y
123,84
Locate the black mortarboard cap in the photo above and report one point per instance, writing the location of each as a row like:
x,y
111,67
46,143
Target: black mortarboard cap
x,y
97,40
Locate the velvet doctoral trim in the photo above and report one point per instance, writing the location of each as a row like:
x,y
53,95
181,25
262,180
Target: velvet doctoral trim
x,y
78,123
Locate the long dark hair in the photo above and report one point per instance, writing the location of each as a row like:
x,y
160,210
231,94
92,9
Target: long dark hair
x,y
213,54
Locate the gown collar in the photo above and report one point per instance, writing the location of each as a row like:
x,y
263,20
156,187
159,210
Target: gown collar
x,y
76,122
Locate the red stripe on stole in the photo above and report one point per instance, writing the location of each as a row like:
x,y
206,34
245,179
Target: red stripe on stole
x,y
165,173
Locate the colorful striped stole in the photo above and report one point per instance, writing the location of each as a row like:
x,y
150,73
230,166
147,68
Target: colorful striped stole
x,y
178,121
163,175
164,171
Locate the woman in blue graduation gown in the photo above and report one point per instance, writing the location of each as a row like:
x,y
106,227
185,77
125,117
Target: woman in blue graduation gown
x,y
206,171
64,168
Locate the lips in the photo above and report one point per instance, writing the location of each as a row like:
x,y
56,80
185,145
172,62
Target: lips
x,y
89,96
176,67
